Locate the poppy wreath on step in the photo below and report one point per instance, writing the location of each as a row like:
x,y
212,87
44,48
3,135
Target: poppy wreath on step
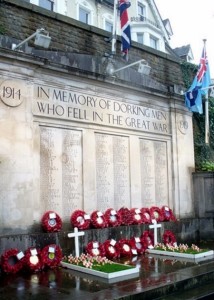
x,y
98,219
51,222
113,217
124,247
169,238
12,261
51,256
136,243
95,248
33,260
146,217
167,214
80,219
147,239
155,213
126,216
136,216
111,249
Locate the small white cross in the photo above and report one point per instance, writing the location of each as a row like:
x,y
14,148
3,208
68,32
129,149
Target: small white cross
x,y
155,226
76,235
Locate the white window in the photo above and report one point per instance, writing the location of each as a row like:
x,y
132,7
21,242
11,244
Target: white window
x,y
153,42
48,4
140,37
84,15
108,26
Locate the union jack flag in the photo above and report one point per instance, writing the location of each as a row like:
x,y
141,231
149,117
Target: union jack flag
x,y
125,27
199,87
203,66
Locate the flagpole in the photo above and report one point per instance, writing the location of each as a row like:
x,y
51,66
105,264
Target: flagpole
x,y
207,129
114,33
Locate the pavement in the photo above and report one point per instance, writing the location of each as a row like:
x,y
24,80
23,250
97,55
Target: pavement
x,y
159,278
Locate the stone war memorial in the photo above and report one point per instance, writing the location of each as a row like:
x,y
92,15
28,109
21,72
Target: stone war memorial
x,y
74,137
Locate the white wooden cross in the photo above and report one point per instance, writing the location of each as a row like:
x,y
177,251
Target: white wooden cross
x,y
155,226
76,235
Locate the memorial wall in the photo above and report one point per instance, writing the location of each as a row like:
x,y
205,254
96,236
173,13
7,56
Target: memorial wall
x,y
68,145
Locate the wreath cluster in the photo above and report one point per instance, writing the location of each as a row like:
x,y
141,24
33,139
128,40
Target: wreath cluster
x,y
123,216
123,248
33,259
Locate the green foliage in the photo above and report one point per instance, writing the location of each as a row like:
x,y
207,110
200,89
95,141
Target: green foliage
x,y
188,70
204,154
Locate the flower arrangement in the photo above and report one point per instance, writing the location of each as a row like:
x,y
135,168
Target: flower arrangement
x,y
182,248
33,260
113,217
146,217
147,239
98,219
95,248
80,219
111,249
127,217
51,222
136,216
51,256
167,214
97,263
155,213
169,238
12,261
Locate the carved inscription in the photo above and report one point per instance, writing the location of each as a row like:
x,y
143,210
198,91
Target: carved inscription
x,y
112,171
154,178
61,170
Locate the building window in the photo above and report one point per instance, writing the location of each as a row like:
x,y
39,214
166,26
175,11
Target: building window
x,y
108,26
153,42
141,10
84,15
48,4
140,37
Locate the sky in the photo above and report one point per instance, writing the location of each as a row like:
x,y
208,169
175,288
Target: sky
x,y
191,22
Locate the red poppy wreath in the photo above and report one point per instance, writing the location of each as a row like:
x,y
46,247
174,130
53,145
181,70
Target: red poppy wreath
x,y
33,260
51,222
111,249
136,243
80,219
155,214
146,217
113,217
124,247
147,239
51,256
98,219
136,216
169,238
94,248
126,215
167,214
12,261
